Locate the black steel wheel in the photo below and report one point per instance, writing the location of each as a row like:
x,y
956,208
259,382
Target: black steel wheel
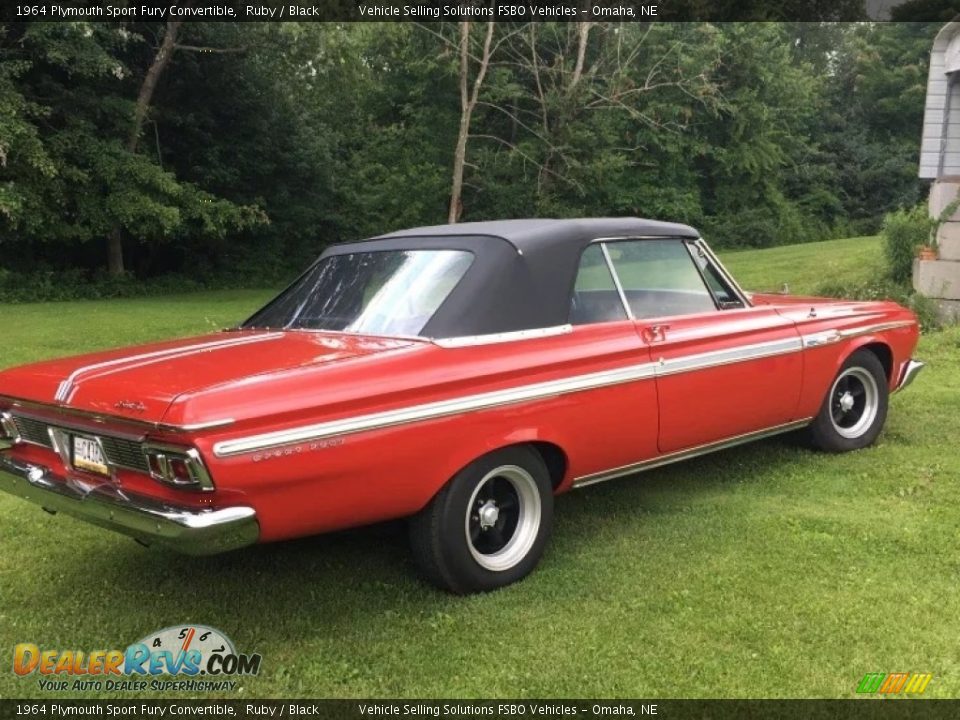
x,y
855,408
489,525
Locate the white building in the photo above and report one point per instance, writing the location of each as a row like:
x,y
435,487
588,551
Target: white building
x,y
940,162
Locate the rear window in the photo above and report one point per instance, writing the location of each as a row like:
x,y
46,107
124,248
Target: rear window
x,y
390,292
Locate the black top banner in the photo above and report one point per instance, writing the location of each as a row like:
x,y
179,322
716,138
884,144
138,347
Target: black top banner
x,y
484,10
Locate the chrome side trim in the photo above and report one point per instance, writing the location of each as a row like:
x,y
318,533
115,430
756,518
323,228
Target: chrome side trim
x,y
829,337
67,386
673,457
714,358
911,369
187,530
431,411
823,338
197,426
494,338
523,393
352,333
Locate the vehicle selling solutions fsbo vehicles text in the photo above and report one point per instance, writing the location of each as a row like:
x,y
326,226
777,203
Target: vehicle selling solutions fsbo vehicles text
x,y
506,10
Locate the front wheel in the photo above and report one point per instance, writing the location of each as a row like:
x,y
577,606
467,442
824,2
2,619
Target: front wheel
x,y
488,526
855,409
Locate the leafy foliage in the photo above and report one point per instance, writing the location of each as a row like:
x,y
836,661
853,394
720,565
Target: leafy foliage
x,y
885,289
265,142
903,232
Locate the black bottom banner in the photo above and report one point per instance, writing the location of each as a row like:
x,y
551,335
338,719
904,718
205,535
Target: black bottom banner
x,y
881,709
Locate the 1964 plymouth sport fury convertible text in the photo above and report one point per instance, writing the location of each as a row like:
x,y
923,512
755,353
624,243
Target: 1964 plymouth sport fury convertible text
x,y
457,375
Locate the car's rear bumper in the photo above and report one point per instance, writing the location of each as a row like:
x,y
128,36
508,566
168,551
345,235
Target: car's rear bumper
x,y
909,372
186,530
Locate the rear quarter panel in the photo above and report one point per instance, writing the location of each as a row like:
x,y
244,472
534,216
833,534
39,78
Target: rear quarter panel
x,y
364,477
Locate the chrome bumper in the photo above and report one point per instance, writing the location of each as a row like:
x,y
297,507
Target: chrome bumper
x,y
910,371
194,532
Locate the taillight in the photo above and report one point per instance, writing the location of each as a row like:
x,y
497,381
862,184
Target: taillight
x,y
9,432
180,467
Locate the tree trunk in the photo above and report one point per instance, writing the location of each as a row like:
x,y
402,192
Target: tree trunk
x,y
583,34
145,97
468,101
115,263
460,151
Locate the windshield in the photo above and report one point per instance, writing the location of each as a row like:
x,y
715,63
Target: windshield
x,y
392,292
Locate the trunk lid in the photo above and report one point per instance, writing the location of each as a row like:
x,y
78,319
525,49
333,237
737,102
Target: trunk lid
x,y
140,383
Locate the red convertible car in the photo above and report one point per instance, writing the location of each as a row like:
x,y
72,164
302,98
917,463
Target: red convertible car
x,y
461,376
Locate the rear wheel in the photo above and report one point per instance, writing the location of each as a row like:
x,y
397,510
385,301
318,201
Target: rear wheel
x,y
855,409
488,526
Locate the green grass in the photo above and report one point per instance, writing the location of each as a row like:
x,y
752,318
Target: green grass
x,y
37,331
804,267
763,571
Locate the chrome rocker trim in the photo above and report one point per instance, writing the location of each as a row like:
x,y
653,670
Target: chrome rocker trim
x,y
688,453
189,531
911,369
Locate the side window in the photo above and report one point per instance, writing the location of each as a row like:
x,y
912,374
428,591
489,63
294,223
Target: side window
x,y
659,278
595,297
726,297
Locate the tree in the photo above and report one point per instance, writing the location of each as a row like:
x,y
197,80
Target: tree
x,y
236,151
873,122
469,94
585,118
144,98
76,82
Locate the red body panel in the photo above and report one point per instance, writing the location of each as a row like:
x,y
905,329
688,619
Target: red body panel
x,y
272,382
731,398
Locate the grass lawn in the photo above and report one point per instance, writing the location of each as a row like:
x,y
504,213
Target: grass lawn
x,y
763,571
804,267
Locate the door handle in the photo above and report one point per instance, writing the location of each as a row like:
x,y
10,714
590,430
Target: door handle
x,y
655,333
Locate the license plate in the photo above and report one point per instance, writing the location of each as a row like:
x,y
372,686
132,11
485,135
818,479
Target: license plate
x,y
87,455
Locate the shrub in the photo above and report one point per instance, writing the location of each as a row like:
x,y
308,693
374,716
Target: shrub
x,y
886,289
903,232
75,284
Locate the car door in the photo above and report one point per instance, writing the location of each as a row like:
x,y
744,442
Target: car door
x,y
615,424
724,369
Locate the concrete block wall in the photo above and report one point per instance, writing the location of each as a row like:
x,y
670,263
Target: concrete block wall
x,y
940,279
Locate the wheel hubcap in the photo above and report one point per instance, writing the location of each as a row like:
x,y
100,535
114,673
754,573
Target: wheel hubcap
x,y
854,402
846,402
503,518
488,515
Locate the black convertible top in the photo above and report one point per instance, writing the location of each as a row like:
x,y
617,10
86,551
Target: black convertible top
x,y
552,233
523,271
